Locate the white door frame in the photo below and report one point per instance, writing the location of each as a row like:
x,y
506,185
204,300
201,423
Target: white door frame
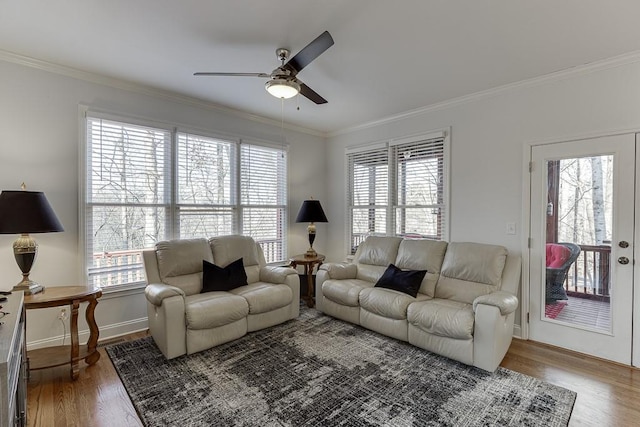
x,y
635,345
611,341
526,232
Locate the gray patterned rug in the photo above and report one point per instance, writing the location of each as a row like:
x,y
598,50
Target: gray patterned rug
x,y
319,371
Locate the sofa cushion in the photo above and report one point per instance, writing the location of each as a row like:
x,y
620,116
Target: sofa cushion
x,y
370,273
226,249
377,250
444,318
346,291
422,254
263,297
216,278
385,302
407,282
475,262
180,257
214,309
470,270
189,283
556,255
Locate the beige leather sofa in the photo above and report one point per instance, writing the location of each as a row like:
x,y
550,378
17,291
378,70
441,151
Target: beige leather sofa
x,y
183,320
464,308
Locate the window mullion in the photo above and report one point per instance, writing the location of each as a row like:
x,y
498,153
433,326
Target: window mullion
x,y
239,210
391,195
173,209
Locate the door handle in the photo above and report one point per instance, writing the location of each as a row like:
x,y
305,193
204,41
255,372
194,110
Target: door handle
x,y
623,260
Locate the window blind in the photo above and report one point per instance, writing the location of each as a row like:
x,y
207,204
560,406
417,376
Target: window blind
x,y
399,189
263,198
126,197
145,184
206,186
368,193
419,207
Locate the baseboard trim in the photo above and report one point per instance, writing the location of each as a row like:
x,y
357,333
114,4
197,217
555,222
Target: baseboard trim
x,y
517,331
107,332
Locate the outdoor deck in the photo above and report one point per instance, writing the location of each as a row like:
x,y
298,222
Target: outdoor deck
x,y
581,311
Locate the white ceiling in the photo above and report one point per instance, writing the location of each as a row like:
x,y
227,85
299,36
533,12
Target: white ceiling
x,y
388,58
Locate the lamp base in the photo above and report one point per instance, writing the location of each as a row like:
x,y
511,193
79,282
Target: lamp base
x,y
311,253
28,287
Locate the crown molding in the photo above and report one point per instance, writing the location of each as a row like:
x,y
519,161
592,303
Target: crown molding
x,y
609,63
148,90
613,62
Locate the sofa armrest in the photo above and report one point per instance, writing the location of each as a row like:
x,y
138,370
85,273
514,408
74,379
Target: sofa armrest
x,y
504,301
156,292
340,271
276,274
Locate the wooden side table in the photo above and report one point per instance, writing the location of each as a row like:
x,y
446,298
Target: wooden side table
x,y
56,296
309,263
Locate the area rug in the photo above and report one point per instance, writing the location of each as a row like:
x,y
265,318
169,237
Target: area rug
x,y
551,311
319,371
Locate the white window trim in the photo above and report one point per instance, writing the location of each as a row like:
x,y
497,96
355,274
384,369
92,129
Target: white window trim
x,y
445,135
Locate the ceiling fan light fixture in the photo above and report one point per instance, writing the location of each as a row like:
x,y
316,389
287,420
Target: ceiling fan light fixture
x,y
281,88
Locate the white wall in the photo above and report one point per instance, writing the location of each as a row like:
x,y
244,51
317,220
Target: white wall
x,y
489,135
39,144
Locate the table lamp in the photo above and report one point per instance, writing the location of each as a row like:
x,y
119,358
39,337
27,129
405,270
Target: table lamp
x,y
24,212
311,212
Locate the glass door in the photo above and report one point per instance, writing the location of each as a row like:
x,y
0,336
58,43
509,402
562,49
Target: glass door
x,y
581,255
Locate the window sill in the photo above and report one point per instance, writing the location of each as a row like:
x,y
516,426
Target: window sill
x,y
123,290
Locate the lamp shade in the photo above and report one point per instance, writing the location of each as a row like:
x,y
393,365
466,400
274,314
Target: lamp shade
x,y
24,212
311,211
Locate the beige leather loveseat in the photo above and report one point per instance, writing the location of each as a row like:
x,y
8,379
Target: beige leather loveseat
x,y
184,320
464,308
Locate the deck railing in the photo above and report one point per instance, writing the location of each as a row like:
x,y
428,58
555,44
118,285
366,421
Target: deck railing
x,y
589,275
273,251
124,267
117,268
356,239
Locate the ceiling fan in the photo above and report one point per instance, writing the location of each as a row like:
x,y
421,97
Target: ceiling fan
x,y
283,82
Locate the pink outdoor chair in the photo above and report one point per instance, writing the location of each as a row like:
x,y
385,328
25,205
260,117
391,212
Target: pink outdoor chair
x,y
560,256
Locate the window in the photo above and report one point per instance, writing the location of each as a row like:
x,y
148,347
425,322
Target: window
x,y
419,206
399,189
206,197
147,184
368,194
263,198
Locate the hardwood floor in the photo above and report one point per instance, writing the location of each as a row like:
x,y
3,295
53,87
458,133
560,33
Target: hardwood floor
x,y
608,394
96,399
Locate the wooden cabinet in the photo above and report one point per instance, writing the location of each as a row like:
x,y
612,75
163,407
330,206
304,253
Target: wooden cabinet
x,y
13,362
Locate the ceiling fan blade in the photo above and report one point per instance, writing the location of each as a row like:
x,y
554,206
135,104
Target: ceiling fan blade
x,y
310,52
233,74
310,94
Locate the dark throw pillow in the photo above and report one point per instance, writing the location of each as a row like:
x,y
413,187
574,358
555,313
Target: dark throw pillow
x,y
216,278
403,281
